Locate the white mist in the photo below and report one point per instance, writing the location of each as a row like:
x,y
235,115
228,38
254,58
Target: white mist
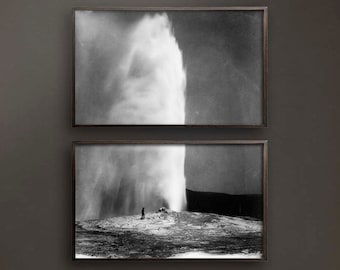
x,y
152,80
148,87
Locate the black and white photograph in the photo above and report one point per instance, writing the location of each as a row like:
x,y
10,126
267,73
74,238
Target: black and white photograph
x,y
173,66
170,200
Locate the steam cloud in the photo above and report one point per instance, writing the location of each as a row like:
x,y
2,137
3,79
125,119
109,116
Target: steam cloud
x,y
142,84
128,74
152,79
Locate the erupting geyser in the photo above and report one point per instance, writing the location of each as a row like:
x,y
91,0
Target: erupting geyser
x,y
146,86
114,180
152,79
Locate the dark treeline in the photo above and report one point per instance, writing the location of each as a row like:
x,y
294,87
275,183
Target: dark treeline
x,y
225,204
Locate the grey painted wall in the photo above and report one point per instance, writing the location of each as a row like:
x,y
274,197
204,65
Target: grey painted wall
x,y
36,135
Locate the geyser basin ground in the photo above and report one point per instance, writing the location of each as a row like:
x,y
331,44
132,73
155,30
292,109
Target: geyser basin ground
x,y
169,235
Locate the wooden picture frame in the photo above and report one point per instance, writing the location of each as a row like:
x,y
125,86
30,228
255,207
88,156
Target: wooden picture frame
x,y
108,227
219,53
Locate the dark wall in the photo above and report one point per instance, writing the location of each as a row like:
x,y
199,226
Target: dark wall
x,y
36,135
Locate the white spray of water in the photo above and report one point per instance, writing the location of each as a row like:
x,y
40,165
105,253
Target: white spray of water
x,y
114,180
152,79
147,86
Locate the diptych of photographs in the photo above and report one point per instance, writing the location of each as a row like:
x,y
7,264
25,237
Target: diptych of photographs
x,y
170,199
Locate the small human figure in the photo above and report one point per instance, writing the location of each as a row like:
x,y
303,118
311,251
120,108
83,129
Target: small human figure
x,y
143,214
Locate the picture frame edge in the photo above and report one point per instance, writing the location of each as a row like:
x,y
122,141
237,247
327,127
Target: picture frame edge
x,y
264,112
263,142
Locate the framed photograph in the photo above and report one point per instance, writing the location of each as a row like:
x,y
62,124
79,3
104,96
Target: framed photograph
x,y
170,200
170,66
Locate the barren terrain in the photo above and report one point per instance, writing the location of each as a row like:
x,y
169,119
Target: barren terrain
x,y
169,235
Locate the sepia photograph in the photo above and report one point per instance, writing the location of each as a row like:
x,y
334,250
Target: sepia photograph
x,y
173,66
170,200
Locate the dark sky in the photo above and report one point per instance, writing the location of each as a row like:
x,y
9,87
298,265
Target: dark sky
x,y
233,169
222,53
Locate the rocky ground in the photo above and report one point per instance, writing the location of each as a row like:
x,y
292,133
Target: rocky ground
x,y
164,235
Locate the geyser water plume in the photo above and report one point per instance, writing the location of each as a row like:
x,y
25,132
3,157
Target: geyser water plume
x,y
114,180
145,85
152,80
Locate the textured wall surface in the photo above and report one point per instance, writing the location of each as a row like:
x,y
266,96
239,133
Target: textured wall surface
x,y
36,135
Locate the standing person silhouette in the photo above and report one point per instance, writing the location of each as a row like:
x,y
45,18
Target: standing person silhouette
x,y
143,214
